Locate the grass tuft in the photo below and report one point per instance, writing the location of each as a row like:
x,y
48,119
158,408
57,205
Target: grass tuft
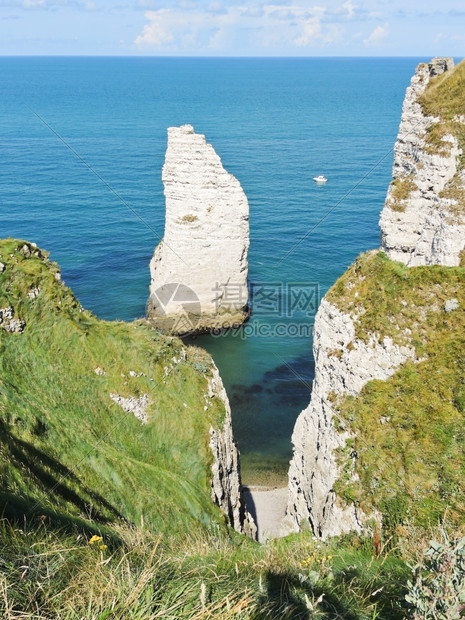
x,y
400,193
59,574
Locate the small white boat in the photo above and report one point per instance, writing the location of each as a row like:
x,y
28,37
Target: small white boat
x,y
320,179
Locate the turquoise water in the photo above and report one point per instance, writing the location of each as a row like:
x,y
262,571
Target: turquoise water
x,y
275,123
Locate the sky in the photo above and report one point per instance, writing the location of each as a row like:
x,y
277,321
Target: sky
x,y
420,28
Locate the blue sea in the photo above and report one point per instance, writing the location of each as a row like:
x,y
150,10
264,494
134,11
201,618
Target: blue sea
x,y
82,143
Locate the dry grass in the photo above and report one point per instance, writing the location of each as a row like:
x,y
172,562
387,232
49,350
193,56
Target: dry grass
x,y
444,95
189,218
455,190
444,98
400,192
54,574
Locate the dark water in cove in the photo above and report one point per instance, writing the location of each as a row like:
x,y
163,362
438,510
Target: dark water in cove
x,y
276,123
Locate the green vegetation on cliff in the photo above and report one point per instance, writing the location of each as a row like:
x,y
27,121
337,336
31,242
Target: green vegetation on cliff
x,y
67,449
444,98
444,94
400,192
408,431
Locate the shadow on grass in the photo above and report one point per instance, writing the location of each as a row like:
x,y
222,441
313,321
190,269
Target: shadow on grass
x,y
52,479
281,600
17,512
347,595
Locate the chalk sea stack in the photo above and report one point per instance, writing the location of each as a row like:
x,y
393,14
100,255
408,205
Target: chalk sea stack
x,y
199,269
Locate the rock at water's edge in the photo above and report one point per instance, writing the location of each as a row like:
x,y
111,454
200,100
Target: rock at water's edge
x,y
199,270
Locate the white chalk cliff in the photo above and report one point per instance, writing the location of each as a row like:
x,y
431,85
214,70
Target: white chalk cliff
x,y
343,365
199,270
226,479
420,224
424,228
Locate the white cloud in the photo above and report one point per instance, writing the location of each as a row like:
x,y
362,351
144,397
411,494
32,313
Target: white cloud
x,y
184,26
156,32
206,29
350,8
87,5
333,34
378,34
33,4
311,31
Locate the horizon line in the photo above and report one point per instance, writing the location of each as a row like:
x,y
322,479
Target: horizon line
x,y
225,57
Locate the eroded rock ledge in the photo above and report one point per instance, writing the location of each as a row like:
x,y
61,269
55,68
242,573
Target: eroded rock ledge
x,y
199,270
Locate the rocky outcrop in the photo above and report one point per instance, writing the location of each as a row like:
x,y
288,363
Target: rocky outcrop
x,y
226,480
343,365
199,270
137,406
423,220
9,323
178,445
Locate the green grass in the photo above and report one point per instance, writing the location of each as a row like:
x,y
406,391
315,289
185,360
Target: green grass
x,y
67,450
409,430
390,298
444,94
455,190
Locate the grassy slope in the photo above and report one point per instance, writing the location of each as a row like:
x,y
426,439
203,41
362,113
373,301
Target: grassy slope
x,y
66,448
409,431
73,464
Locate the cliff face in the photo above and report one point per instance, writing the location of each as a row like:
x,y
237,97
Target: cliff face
x,y
199,270
226,480
388,342
383,434
423,222
343,365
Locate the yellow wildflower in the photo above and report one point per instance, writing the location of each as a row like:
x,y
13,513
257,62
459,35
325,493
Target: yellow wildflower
x,y
95,539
